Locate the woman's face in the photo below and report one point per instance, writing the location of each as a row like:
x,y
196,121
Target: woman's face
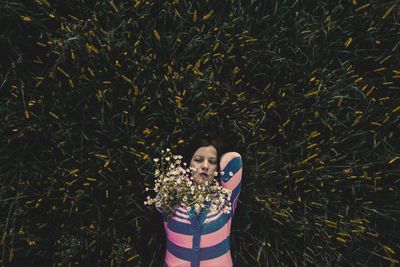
x,y
204,160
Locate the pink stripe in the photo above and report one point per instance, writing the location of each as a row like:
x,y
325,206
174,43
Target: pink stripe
x,y
182,214
219,209
173,261
181,220
182,209
181,240
213,213
222,261
214,238
234,181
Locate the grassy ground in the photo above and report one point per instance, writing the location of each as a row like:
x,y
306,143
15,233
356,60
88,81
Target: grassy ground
x,y
308,92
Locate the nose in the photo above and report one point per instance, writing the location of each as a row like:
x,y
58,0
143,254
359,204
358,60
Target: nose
x,y
205,165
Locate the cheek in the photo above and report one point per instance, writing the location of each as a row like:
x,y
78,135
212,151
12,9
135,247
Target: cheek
x,y
194,164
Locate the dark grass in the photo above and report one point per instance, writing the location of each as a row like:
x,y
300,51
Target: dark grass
x,y
90,91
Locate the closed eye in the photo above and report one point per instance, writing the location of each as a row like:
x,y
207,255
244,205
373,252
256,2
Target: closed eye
x,y
199,160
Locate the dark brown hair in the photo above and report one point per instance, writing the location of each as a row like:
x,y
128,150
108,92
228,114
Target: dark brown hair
x,y
222,145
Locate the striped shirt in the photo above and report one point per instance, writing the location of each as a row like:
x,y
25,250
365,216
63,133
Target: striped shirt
x,y
204,240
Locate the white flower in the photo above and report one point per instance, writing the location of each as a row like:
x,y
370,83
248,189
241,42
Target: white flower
x,y
176,183
222,173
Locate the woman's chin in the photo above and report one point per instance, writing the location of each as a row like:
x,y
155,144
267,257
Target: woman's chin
x,y
201,180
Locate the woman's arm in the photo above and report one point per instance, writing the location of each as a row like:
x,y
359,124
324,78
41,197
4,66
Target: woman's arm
x,y
163,214
232,166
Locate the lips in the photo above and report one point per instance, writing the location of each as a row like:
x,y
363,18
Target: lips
x,y
204,174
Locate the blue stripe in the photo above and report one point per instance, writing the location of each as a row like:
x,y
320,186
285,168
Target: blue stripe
x,y
182,207
183,212
216,214
233,166
179,227
179,216
215,251
213,226
164,216
236,191
179,252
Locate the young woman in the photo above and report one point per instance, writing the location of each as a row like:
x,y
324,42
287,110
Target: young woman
x,y
204,240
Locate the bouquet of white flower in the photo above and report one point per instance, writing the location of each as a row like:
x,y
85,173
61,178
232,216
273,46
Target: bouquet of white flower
x,y
175,184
